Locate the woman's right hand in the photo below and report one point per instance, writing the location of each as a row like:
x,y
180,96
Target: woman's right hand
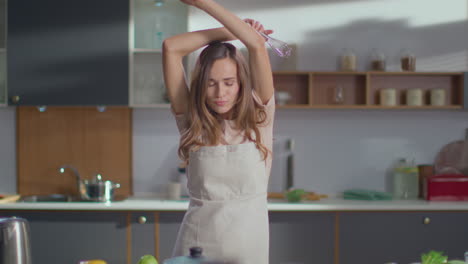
x,y
258,26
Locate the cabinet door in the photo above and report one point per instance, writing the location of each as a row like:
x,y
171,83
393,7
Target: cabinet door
x,y
301,237
3,31
68,52
380,237
169,224
143,235
68,237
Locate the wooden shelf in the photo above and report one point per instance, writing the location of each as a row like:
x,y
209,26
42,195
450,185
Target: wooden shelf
x,y
361,90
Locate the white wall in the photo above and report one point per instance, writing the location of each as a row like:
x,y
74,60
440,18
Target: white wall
x,y
335,149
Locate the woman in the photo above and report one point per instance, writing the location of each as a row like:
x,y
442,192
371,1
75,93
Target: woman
x,y
225,120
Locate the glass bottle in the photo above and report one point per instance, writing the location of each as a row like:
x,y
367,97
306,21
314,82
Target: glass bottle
x,y
377,61
405,180
347,60
157,34
338,94
408,61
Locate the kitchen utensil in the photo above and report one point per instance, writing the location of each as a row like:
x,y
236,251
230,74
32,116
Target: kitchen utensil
x,y
14,241
99,190
281,48
453,158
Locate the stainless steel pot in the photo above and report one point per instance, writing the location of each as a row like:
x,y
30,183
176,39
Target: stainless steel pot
x,y
99,190
14,241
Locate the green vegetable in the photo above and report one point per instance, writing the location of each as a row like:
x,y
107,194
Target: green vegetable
x,y
147,259
455,261
433,257
295,195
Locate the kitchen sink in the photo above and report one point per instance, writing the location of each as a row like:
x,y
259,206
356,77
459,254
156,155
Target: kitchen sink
x,y
59,198
48,198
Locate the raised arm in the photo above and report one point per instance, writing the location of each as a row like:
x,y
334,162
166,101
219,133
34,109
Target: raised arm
x,y
174,49
258,56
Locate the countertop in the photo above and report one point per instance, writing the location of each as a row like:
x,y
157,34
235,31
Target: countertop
x,y
329,204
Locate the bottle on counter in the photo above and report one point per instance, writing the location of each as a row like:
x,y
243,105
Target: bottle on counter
x,y
405,180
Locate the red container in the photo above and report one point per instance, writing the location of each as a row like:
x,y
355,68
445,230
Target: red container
x,y
447,188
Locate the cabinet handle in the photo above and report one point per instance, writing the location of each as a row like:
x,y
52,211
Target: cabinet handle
x,y
15,99
426,220
141,219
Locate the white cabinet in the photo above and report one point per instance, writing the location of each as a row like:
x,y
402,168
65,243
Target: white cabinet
x,y
3,54
151,21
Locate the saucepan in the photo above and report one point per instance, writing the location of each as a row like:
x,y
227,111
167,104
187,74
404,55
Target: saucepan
x,y
99,190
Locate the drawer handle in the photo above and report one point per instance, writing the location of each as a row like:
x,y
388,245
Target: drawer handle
x,y
426,220
141,219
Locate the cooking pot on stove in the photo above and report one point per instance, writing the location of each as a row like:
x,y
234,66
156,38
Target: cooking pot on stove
x,y
99,190
195,257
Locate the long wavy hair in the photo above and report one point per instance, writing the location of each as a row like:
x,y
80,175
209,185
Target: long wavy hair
x,y
204,124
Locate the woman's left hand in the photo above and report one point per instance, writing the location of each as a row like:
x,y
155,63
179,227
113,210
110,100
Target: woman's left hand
x,y
257,26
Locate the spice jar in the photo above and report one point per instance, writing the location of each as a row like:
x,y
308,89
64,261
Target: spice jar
x,y
414,97
347,60
388,97
377,61
438,97
408,61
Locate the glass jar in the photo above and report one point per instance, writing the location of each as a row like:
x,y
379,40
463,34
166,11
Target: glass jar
x,y
405,180
408,61
347,60
377,61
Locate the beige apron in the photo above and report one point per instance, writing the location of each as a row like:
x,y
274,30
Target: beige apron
x,y
227,214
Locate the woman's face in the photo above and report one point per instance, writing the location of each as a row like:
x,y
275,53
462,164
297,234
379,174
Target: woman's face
x,y
223,87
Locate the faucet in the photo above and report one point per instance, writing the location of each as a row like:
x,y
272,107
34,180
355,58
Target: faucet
x,y
79,183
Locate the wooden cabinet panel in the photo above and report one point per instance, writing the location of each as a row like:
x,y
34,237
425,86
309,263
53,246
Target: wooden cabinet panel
x,y
91,141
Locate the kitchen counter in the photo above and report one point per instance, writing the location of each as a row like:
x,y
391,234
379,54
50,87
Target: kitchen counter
x,y
330,204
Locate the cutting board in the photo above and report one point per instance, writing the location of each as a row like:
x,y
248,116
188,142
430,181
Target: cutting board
x,y
453,158
9,198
